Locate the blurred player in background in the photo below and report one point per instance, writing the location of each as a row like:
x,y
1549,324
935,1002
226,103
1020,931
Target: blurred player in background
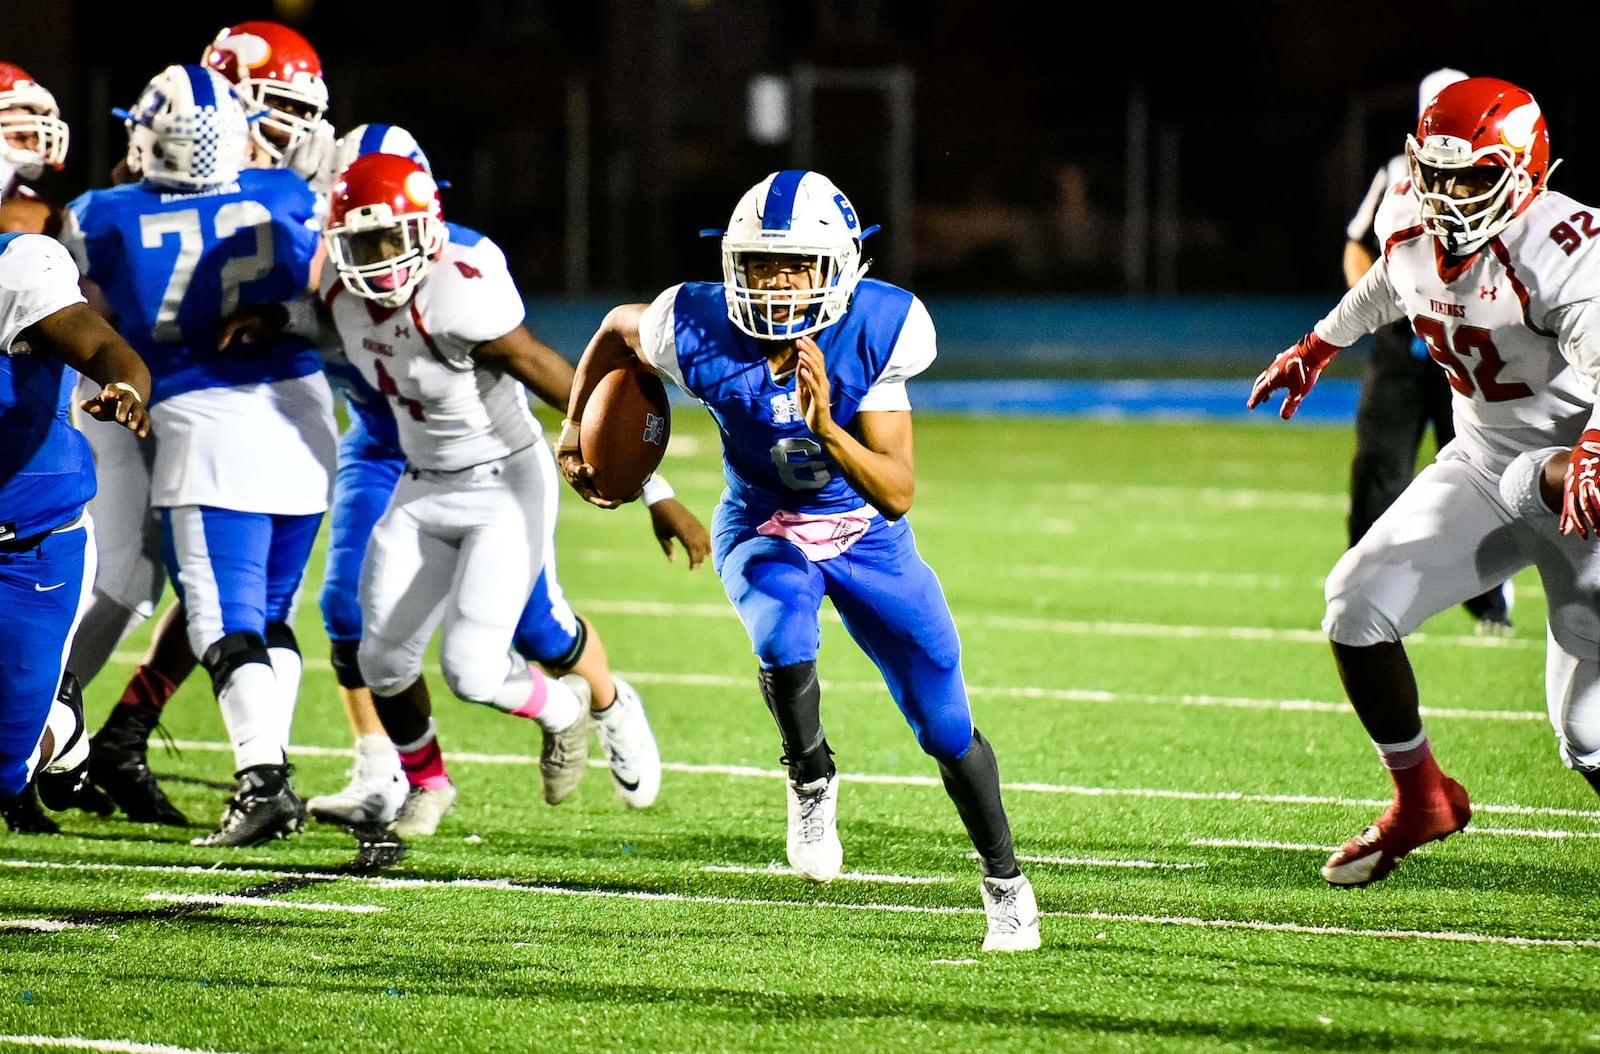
x,y
549,632
276,68
277,71
431,318
33,137
47,479
1403,391
245,443
1486,263
804,364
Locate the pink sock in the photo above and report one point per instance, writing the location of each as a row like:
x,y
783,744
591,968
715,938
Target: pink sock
x,y
425,765
534,706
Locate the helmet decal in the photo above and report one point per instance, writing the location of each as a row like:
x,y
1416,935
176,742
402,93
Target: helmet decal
x,y
248,49
1517,129
420,188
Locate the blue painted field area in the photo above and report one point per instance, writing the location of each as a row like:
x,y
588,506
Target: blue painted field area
x,y
1332,402
1148,358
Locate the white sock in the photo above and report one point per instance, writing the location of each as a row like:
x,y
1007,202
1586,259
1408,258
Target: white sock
x,y
376,756
249,703
287,666
63,724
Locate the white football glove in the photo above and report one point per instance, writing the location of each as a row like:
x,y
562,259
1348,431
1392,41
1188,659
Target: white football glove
x,y
312,158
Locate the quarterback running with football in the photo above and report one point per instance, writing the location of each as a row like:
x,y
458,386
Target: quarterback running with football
x,y
804,364
1501,277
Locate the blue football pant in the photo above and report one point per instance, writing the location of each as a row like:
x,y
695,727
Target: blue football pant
x,y
235,572
888,597
43,593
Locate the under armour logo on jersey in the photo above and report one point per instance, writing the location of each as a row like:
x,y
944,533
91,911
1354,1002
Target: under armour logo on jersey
x,y
402,332
785,410
1488,292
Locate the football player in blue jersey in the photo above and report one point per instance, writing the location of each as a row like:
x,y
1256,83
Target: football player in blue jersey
x,y
279,75
803,364
245,443
47,477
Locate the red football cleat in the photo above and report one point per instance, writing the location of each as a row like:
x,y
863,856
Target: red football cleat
x,y
1375,852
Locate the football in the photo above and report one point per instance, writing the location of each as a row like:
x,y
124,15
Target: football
x,y
624,431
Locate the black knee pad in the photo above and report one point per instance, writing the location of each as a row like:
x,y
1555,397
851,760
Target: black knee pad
x,y
346,670
279,635
231,652
565,662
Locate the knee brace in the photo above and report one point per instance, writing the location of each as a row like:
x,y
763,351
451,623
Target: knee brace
x,y
232,651
536,647
346,670
280,635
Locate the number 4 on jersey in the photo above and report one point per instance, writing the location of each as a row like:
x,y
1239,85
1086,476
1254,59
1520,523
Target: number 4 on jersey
x,y
388,387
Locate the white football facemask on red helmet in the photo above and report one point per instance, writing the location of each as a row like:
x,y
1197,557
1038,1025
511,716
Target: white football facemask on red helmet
x,y
385,227
1480,157
32,133
280,74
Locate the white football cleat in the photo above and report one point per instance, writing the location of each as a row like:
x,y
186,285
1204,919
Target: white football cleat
x,y
374,795
814,849
1013,915
425,806
630,747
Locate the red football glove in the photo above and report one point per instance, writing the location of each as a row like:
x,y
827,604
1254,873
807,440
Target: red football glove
x,y
1580,489
1295,370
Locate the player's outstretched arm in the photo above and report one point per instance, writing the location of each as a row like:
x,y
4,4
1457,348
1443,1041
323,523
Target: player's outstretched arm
x,y
671,519
1294,371
78,336
539,367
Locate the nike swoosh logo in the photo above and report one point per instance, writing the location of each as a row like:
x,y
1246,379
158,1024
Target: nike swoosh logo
x,y
37,588
624,784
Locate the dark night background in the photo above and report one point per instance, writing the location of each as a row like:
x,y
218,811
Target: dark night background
x,y
593,140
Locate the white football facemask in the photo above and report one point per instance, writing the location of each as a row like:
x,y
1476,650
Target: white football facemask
x,y
383,257
803,221
32,134
1465,221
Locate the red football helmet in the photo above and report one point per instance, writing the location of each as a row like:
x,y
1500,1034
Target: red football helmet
x,y
278,72
32,133
385,227
1480,157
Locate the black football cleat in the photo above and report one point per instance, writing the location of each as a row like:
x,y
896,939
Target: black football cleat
x,y
119,765
24,815
263,808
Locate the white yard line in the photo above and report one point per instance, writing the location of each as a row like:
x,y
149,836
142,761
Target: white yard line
x,y
1260,925
756,772
114,1046
1077,627
230,900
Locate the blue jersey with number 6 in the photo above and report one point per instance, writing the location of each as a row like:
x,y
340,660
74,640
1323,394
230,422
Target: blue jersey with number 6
x,y
174,264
